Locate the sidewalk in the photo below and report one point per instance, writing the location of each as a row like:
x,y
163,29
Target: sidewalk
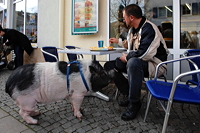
x,y
99,116
8,124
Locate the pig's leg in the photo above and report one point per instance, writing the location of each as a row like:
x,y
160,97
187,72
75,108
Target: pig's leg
x,y
76,101
35,113
26,116
27,108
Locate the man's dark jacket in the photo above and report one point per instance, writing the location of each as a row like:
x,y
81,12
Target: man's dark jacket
x,y
17,38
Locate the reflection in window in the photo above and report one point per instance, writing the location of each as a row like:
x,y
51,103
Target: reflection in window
x,y
118,28
186,8
162,12
155,12
195,8
19,16
3,13
169,11
30,20
190,25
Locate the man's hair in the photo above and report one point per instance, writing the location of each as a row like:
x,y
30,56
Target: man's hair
x,y
134,10
1,29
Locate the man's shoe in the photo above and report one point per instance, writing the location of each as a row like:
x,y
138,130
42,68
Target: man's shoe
x,y
124,103
131,113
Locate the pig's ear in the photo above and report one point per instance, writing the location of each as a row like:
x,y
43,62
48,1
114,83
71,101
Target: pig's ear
x,y
92,69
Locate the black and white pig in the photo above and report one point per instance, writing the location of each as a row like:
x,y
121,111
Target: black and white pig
x,y
46,82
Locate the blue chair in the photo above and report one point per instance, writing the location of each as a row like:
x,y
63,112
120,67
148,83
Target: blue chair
x,y
172,91
193,63
73,57
50,53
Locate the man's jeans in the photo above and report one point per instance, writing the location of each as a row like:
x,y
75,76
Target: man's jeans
x,y
19,53
136,69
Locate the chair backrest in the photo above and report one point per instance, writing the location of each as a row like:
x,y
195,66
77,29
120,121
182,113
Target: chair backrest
x,y
194,61
72,57
50,53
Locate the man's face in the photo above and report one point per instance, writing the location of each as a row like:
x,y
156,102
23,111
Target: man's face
x,y
1,33
126,19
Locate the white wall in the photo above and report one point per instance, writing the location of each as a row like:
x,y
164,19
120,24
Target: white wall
x,y
48,22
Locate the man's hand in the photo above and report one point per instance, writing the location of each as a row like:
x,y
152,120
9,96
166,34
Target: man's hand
x,y
113,40
123,58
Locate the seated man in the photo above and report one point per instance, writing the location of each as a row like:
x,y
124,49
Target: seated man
x,y
145,49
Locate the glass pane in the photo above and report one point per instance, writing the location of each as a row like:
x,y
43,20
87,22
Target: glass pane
x,y
158,12
31,20
117,26
162,12
190,24
3,13
19,16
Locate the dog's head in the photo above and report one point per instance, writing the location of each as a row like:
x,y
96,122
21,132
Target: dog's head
x,y
100,77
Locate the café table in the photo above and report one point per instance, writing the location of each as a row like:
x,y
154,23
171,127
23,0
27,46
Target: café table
x,y
93,53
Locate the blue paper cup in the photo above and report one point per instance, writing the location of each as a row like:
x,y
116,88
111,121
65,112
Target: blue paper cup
x,y
100,43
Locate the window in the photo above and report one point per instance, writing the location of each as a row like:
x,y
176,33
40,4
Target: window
x,y
3,13
155,12
169,11
162,12
29,23
186,9
118,28
195,8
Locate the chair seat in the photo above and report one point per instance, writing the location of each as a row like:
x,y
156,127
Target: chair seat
x,y
161,90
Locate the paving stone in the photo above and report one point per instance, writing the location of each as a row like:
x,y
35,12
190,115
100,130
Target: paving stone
x,y
101,116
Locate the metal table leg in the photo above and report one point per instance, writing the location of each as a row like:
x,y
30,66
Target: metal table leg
x,y
99,95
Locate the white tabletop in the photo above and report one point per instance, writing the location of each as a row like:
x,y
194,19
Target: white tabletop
x,y
90,52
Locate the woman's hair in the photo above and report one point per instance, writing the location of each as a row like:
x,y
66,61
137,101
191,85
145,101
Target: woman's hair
x,y
134,10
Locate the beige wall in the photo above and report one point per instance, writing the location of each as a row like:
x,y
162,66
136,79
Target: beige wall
x,y
54,26
85,41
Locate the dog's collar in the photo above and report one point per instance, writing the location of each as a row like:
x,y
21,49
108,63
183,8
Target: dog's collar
x,y
82,76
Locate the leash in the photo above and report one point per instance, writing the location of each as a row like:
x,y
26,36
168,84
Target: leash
x,y
82,76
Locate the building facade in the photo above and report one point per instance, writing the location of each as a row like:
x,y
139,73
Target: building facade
x,y
49,23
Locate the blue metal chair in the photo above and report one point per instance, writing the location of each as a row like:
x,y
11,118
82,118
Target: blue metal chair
x,y
50,53
193,63
172,91
73,57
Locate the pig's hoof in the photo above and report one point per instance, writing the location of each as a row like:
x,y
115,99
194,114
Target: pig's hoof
x,y
33,122
35,113
80,118
37,123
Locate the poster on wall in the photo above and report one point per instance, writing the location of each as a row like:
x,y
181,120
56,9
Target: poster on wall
x,y
84,17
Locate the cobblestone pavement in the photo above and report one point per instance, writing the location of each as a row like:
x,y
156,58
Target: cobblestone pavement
x,y
101,116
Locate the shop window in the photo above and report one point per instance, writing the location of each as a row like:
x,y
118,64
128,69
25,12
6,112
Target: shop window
x,y
29,23
3,13
118,28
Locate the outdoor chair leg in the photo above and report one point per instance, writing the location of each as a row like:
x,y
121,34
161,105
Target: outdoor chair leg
x,y
149,96
116,93
167,113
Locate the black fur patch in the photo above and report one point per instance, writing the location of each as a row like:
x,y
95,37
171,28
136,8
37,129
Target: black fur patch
x,y
62,65
22,77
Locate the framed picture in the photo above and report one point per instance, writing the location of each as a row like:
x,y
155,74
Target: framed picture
x,y
84,17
